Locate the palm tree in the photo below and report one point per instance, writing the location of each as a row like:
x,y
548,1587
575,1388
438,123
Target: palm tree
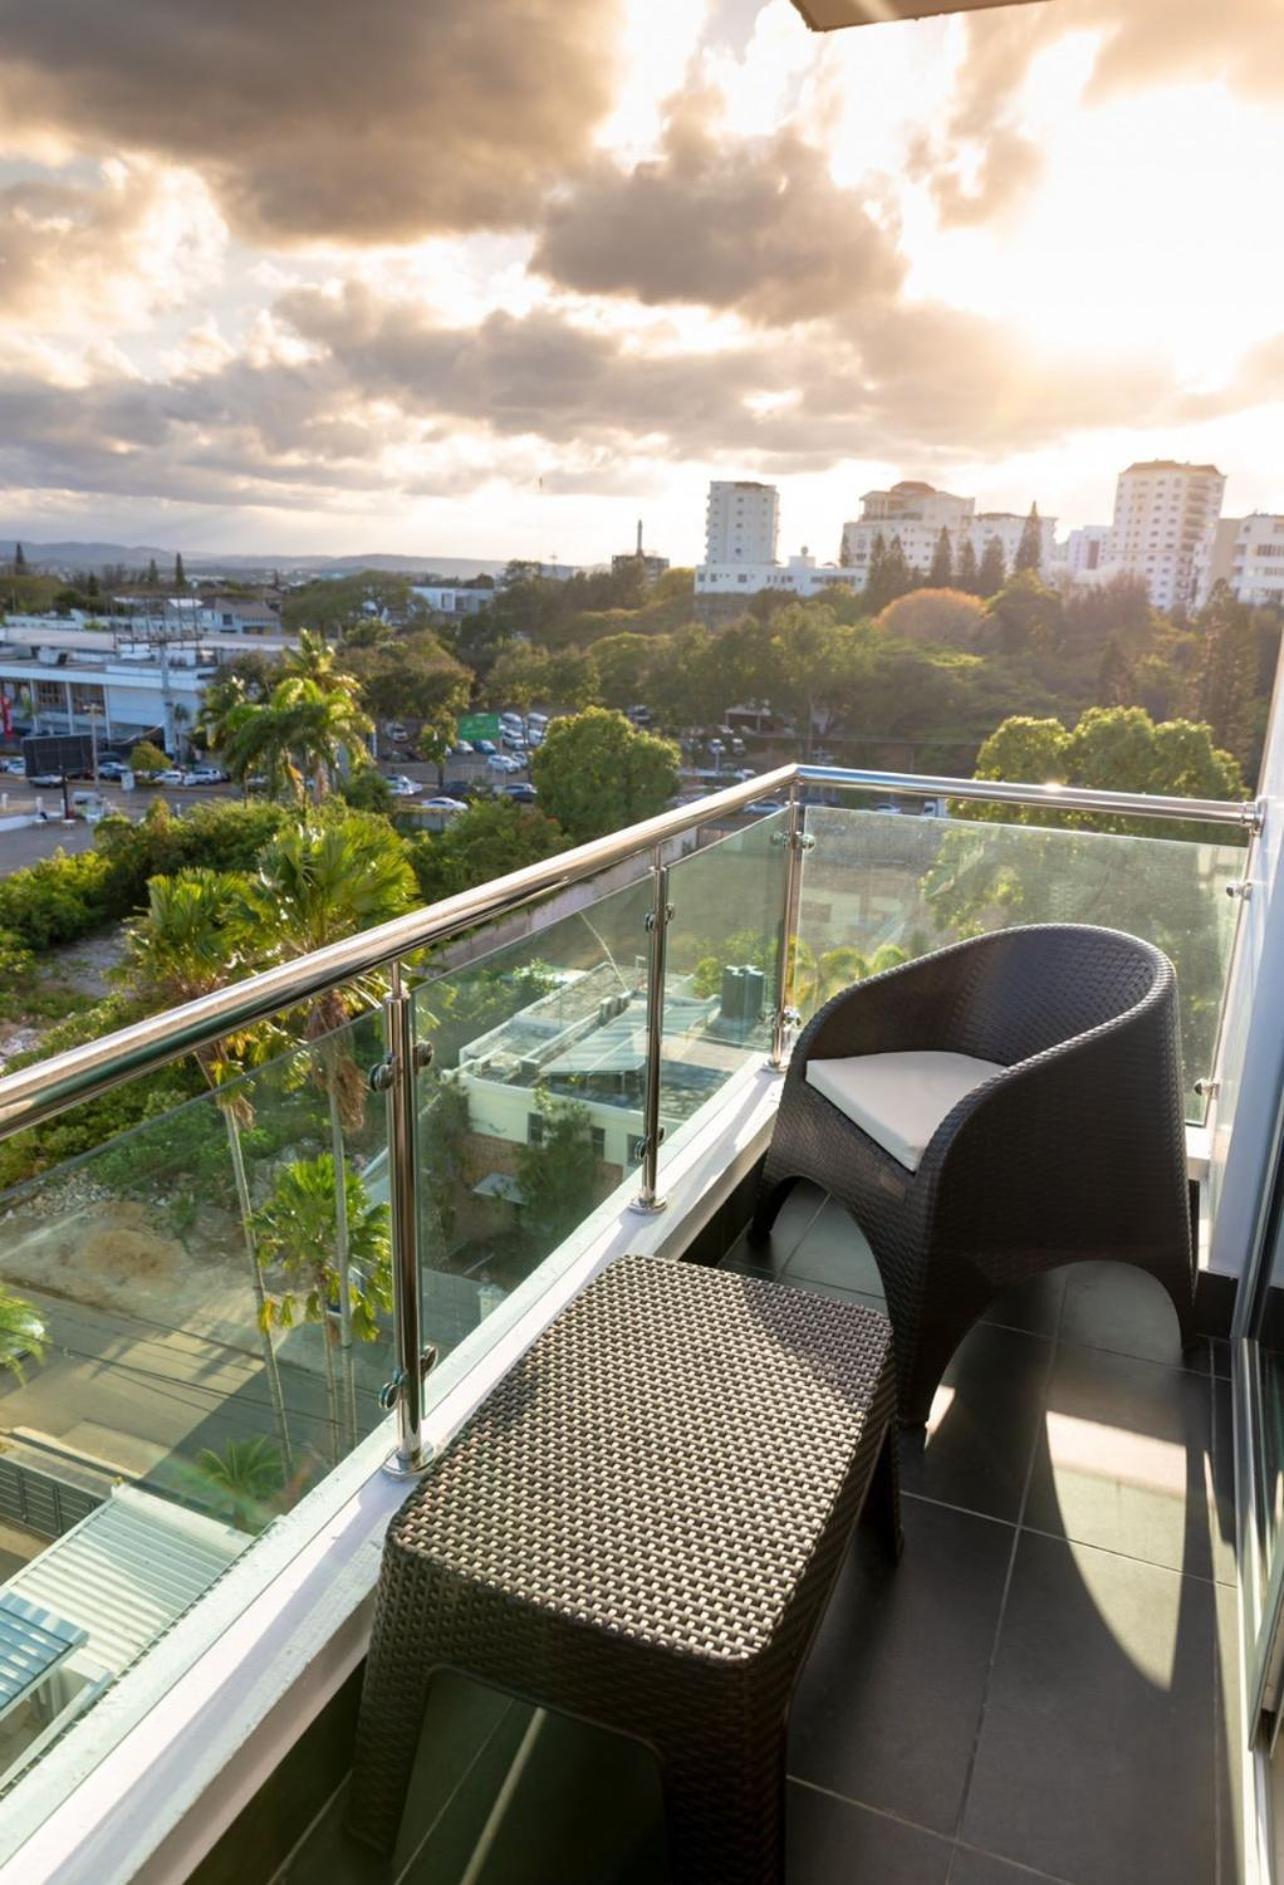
x,y
316,885
22,1334
195,937
245,1477
324,728
311,725
297,1227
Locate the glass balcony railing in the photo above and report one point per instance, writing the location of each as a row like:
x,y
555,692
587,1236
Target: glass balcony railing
x,y
209,1316
878,889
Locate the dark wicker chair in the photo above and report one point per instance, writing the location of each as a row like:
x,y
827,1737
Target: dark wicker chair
x,y
1074,1150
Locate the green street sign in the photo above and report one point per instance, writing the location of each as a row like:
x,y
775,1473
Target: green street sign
x,y
479,726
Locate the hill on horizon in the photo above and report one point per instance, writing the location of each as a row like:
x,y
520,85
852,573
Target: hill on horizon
x,y
76,554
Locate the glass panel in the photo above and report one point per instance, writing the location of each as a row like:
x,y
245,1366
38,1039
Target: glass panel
x,y
880,887
531,1110
184,1354
728,901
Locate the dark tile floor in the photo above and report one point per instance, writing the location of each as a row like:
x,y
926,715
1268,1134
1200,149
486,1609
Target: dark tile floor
x,y
1044,1688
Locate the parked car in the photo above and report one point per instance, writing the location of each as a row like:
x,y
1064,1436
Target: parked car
x,y
443,803
171,777
485,747
537,719
515,742
522,792
16,767
111,768
762,807
45,778
204,775
502,762
511,719
403,788
459,788
461,750
535,737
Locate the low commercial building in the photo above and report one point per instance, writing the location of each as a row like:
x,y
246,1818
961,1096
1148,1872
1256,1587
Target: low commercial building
x,y
121,681
801,576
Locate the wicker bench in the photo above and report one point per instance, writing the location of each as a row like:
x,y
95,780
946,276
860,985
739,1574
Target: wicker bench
x,y
640,1527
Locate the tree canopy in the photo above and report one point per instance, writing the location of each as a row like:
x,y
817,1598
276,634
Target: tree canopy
x,y
595,773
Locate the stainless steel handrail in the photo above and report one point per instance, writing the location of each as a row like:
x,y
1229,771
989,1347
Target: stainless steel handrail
x,y
38,1092
1246,814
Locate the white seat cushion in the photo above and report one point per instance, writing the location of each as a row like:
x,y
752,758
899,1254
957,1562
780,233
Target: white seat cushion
x,y
899,1099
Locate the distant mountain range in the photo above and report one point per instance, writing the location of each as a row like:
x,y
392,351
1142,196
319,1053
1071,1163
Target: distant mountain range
x,y
77,555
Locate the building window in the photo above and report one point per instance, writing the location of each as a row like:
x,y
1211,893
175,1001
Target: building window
x,y
50,696
598,1135
534,1128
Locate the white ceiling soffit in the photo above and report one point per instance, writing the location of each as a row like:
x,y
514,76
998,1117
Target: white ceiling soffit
x,y
824,16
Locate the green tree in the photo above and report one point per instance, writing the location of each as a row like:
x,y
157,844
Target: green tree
x,y
1116,683
296,1227
153,575
195,937
315,886
180,574
22,1333
1030,549
519,677
808,651
941,573
595,773
623,665
967,577
1026,614
412,678
1226,684
992,570
19,560
146,759
490,839
558,1174
311,726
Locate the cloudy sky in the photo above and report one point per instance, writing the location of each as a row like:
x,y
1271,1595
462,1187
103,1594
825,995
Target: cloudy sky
x,y
498,279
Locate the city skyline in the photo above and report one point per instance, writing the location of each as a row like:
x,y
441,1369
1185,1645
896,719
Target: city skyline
x,y
238,315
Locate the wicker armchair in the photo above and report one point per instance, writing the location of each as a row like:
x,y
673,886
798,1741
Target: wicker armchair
x,y
1070,1147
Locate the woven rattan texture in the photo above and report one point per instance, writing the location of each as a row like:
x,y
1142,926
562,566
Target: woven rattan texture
x,y
674,1445
641,1527
1075,1151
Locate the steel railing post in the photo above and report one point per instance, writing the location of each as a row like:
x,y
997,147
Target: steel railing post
x,y
786,1016
397,1076
657,923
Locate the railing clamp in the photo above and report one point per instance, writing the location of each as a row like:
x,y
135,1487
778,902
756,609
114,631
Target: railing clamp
x,y
796,840
384,1071
652,917
1207,1087
1243,889
390,1392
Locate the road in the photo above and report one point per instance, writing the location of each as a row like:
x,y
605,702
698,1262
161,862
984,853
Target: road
x,y
147,1399
33,842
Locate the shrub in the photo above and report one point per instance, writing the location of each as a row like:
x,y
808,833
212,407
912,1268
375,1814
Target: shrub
x,y
55,901
944,618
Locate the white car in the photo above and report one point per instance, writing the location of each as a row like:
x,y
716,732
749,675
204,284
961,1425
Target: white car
x,y
503,762
171,776
206,775
443,804
403,788
15,767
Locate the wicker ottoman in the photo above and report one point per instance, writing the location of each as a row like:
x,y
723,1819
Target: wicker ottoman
x,y
640,1527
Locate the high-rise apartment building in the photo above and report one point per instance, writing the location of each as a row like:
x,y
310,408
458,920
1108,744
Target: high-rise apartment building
x,y
1086,550
742,522
1248,554
1165,518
